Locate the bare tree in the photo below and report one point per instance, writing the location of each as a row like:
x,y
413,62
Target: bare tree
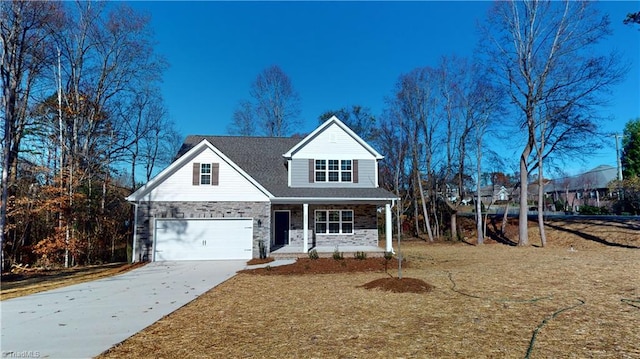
x,y
105,59
412,109
25,29
632,18
277,104
543,54
244,120
358,118
483,107
393,177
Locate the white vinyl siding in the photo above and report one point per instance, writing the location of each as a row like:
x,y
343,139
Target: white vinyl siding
x,y
333,143
366,174
231,186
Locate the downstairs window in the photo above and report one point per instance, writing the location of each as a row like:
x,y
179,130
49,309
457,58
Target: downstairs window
x,y
334,221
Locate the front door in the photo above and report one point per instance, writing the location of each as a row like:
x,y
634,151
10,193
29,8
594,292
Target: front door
x,y
281,228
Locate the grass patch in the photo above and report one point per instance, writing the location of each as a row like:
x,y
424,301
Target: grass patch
x,y
575,298
24,282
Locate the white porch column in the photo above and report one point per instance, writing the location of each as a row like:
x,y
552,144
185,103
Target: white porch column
x,y
387,226
134,251
305,227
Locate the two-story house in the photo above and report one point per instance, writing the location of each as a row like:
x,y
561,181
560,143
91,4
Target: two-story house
x,y
229,197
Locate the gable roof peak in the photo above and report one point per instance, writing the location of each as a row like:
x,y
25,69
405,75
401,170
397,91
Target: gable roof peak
x,y
332,121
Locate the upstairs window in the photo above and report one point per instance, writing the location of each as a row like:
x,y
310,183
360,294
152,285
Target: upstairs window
x,y
321,171
205,173
333,171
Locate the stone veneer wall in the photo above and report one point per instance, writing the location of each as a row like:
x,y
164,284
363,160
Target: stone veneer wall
x,y
365,226
149,211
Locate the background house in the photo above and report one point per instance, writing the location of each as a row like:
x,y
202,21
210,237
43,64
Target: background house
x,y
589,188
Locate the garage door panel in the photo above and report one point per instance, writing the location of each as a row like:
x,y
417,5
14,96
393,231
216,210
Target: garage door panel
x,y
203,239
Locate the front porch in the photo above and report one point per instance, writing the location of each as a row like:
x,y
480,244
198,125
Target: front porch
x,y
298,228
296,251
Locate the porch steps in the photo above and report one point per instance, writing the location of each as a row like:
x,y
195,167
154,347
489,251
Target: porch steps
x,y
325,253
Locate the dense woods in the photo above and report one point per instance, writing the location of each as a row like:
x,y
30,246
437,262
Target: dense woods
x,y
84,122
82,118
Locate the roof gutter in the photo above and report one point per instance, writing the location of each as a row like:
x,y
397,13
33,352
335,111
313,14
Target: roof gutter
x,y
331,200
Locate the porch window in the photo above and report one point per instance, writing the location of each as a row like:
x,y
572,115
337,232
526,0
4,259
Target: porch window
x,y
334,221
333,170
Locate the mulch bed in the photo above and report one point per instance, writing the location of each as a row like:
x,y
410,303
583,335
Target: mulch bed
x,y
256,261
308,266
326,266
400,285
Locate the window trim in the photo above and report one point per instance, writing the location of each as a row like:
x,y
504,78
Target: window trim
x,y
213,173
322,167
205,173
340,221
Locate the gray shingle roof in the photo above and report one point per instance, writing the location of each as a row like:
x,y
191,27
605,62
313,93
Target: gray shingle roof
x,y
596,178
261,158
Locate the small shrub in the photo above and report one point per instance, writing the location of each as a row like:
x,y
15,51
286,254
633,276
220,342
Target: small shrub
x,y
360,255
262,249
313,254
388,255
590,210
337,255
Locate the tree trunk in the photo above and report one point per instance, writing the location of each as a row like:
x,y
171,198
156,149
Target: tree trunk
x,y
416,213
505,219
454,225
479,222
543,236
523,230
424,208
479,218
484,224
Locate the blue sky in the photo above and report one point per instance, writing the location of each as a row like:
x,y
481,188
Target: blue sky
x,y
337,54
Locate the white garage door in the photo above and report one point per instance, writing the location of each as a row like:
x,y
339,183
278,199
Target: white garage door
x,y
203,239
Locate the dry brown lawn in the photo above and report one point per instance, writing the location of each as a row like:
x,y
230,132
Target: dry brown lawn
x,y
25,281
579,297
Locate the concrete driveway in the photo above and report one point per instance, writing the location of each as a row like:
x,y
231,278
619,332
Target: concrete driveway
x,y
83,320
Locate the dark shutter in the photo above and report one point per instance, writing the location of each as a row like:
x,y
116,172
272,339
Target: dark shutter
x,y
215,173
312,173
355,171
196,174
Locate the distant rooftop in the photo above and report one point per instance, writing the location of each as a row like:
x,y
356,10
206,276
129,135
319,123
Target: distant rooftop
x,y
598,177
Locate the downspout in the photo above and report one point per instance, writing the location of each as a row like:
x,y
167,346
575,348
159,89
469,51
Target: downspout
x,y
135,232
388,226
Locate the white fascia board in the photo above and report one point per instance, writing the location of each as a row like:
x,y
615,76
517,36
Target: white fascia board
x,y
325,125
143,191
282,200
240,170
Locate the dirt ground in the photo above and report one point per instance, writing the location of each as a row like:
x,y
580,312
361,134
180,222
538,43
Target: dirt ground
x,y
579,297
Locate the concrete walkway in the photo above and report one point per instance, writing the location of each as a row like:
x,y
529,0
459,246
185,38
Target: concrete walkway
x,y
83,320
